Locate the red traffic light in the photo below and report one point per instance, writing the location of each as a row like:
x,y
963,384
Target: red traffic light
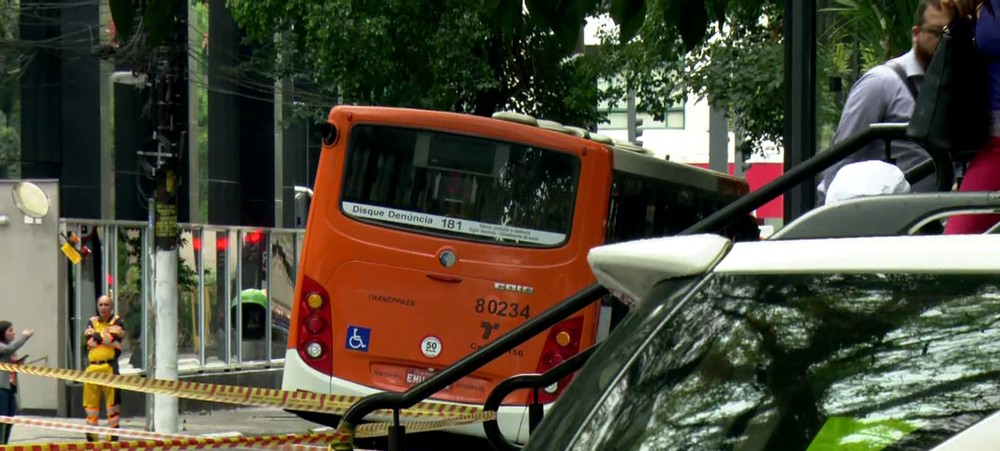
x,y
252,237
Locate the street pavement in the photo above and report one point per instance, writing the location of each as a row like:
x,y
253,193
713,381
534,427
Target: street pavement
x,y
247,421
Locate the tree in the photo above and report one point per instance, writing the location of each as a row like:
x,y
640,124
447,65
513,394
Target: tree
x,y
480,56
10,147
10,70
735,63
455,55
856,36
690,20
738,70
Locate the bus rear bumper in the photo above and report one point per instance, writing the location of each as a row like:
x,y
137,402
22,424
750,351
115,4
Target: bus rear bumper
x,y
513,421
299,376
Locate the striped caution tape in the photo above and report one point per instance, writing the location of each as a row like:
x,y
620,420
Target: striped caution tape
x,y
282,442
120,432
382,429
231,394
159,441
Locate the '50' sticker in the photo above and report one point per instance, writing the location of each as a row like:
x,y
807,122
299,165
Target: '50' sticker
x,y
430,347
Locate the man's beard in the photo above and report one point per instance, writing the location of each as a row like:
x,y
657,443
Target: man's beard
x,y
923,56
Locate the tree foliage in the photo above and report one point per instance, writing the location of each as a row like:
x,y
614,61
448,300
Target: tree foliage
x,y
856,36
738,70
456,55
480,56
10,71
737,61
688,19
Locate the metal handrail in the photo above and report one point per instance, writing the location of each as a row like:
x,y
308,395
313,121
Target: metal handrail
x,y
721,218
534,382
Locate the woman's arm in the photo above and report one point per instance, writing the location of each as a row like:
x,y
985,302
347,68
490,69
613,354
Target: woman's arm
x,y
7,349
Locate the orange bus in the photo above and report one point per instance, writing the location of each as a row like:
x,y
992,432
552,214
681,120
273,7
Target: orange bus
x,y
432,233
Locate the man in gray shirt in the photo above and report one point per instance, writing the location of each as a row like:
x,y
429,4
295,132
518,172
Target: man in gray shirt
x,y
881,95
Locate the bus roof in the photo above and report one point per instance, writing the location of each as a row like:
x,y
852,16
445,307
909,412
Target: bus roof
x,y
635,159
680,173
521,129
628,157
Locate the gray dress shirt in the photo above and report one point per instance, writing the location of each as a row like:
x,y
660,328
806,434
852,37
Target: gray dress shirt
x,y
881,96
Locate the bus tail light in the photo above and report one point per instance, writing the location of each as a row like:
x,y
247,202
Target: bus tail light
x,y
562,343
315,338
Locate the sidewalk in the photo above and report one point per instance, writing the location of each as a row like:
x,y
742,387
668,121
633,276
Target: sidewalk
x,y
246,421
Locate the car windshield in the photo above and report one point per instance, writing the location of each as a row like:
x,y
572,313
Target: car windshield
x,y
810,362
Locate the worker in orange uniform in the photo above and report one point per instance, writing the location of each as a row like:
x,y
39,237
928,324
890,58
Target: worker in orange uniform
x,y
104,343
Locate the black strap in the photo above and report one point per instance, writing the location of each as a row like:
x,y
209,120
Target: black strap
x,y
901,73
906,80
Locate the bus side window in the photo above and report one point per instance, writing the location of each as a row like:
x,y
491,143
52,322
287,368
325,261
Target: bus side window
x,y
628,209
649,195
613,202
660,212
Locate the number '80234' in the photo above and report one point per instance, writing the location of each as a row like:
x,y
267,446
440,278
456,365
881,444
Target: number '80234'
x,y
502,308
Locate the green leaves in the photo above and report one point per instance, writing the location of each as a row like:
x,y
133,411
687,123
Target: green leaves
x,y
475,56
692,22
719,9
123,14
564,17
629,15
670,60
884,24
689,18
508,15
158,20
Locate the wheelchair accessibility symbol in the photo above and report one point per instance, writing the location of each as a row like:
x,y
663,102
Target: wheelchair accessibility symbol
x,y
357,338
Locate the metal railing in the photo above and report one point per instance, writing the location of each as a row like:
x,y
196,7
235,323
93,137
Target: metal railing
x,y
216,266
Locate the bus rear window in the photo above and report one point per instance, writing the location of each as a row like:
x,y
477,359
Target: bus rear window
x,y
461,186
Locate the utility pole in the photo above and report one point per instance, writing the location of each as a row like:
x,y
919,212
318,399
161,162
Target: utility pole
x,y
742,149
170,116
633,121
158,47
165,85
718,141
800,107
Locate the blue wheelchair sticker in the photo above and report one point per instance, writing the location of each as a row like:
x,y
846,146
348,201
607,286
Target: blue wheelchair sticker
x,y
357,338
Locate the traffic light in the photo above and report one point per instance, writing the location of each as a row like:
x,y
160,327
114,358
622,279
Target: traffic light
x,y
634,129
744,150
638,132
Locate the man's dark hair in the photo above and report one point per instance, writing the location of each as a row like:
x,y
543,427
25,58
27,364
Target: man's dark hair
x,y
918,17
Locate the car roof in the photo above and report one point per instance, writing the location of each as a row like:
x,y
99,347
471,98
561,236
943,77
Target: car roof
x,y
917,253
635,267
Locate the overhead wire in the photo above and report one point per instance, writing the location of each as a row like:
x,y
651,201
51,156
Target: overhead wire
x,y
87,39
